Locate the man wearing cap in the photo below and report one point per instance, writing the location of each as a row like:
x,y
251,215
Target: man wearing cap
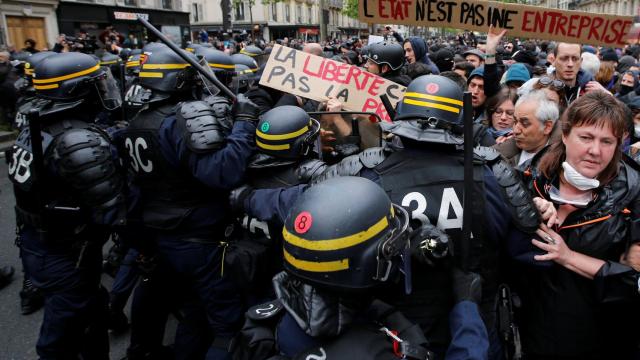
x,y
475,57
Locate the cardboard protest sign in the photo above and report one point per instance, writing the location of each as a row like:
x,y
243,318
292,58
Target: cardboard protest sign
x,y
374,39
318,78
519,20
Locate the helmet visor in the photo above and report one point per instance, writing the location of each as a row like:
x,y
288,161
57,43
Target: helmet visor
x,y
208,87
108,91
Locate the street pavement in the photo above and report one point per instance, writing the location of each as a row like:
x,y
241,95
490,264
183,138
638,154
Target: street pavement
x,y
19,333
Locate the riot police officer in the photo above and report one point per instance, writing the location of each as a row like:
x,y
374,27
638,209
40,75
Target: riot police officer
x,y
285,139
386,59
335,254
68,195
425,175
185,155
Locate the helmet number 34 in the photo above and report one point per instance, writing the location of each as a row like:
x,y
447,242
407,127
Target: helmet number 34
x,y
449,201
134,147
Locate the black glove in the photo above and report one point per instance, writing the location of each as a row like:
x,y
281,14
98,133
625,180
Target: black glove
x,y
245,110
466,286
237,198
428,243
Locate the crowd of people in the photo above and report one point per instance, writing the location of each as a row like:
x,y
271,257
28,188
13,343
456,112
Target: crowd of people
x,y
273,226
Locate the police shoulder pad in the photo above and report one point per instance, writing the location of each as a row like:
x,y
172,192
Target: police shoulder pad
x,y
265,311
487,154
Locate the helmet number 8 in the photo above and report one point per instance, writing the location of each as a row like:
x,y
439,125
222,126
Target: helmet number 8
x,y
134,154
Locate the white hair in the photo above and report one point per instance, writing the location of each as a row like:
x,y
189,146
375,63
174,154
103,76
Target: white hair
x,y
590,63
546,110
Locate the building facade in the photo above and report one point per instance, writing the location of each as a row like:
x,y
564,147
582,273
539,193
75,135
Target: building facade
x,y
274,20
93,16
28,19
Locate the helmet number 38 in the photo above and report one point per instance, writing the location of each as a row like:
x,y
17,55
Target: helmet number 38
x,y
134,147
19,165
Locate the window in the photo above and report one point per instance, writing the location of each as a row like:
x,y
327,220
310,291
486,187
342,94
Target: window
x,y
130,3
299,14
239,13
310,15
196,12
287,13
274,11
167,4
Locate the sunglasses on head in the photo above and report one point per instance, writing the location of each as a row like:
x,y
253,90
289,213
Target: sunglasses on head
x,y
553,83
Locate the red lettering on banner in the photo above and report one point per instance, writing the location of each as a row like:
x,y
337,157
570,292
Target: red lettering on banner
x,y
525,21
353,73
342,76
308,72
593,32
562,21
572,25
330,68
584,23
381,10
372,105
623,29
375,85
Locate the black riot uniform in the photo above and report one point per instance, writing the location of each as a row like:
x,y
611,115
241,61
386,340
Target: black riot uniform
x,y
285,139
185,155
335,254
67,199
426,177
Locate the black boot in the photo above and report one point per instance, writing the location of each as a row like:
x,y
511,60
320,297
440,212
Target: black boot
x,y
6,275
118,322
31,299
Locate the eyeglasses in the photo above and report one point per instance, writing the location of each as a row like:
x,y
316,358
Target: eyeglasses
x,y
499,112
549,82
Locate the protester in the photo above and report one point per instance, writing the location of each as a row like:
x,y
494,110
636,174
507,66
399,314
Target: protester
x,y
534,119
572,268
500,114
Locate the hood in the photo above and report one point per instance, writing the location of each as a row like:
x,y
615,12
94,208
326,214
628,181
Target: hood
x,y
317,313
419,47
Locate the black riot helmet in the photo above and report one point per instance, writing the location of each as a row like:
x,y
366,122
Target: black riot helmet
x,y
75,76
286,132
241,59
388,53
193,48
165,71
344,234
255,53
32,61
221,63
430,111
132,66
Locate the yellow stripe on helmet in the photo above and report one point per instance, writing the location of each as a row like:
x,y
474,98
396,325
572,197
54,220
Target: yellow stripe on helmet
x,y
431,105
164,66
149,74
273,147
433,97
66,77
291,135
222,66
46,87
109,62
132,63
337,243
312,266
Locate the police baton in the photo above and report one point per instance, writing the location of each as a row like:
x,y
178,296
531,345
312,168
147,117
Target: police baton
x,y
38,162
465,246
183,54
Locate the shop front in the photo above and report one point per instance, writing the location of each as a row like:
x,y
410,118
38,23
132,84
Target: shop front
x,y
92,18
308,33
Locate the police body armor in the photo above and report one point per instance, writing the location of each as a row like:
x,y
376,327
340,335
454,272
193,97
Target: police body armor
x,y
80,155
386,335
254,257
430,185
170,195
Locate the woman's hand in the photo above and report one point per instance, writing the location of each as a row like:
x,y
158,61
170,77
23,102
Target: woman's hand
x,y
334,104
327,138
557,250
547,211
